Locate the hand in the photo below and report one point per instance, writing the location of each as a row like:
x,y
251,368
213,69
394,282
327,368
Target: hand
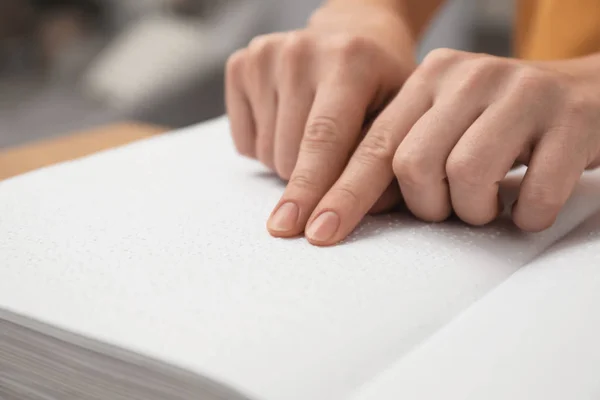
x,y
454,131
298,101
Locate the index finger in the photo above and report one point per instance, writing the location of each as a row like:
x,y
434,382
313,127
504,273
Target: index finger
x,y
332,128
369,172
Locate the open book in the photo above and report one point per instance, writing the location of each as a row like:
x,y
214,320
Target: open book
x,y
147,272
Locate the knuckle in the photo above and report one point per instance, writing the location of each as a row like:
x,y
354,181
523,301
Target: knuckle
x,y
322,132
318,17
578,109
261,46
383,127
418,82
468,171
295,52
235,64
485,64
302,181
530,81
410,169
440,58
296,44
350,47
352,56
376,147
464,88
346,195
441,55
479,71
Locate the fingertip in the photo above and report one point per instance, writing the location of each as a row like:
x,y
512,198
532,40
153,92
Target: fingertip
x,y
323,230
284,220
532,222
322,244
429,207
535,227
486,212
476,220
245,149
437,217
324,227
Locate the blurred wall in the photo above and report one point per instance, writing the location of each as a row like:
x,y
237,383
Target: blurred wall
x,y
293,14
451,27
37,105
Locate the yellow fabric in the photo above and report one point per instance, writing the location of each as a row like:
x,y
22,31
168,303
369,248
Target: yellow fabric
x,y
557,29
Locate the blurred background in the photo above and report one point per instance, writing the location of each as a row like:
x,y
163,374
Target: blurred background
x,y
70,65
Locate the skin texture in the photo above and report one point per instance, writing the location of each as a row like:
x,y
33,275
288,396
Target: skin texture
x,y
341,111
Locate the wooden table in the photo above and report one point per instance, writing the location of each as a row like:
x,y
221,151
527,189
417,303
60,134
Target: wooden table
x,y
18,160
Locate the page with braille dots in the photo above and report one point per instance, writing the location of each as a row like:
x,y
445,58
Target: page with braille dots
x,y
535,337
160,247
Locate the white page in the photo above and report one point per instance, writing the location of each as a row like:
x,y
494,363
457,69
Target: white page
x,y
535,337
161,247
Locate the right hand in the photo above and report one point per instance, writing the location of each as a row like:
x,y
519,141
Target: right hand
x,y
298,101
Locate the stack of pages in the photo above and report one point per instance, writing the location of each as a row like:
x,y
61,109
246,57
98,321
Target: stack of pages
x,y
146,272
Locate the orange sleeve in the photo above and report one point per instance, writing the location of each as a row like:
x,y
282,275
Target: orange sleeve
x,y
557,29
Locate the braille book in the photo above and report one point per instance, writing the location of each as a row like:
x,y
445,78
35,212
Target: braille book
x,y
146,272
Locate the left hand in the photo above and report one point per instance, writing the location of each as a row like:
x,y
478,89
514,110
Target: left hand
x,y
455,130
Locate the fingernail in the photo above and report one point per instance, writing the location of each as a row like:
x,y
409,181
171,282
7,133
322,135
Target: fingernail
x,y
285,218
324,227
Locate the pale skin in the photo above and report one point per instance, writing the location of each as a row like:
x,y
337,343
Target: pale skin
x,y
342,111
